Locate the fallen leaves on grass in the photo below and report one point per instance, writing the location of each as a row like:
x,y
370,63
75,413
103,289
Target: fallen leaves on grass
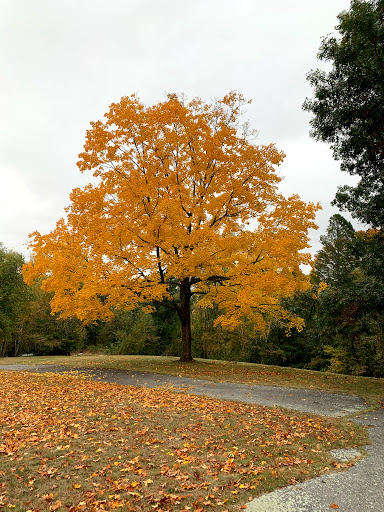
x,y
68,443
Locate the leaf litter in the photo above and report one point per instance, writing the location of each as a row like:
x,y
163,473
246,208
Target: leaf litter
x,y
69,443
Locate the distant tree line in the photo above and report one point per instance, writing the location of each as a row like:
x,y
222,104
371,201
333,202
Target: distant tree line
x,y
344,330
343,313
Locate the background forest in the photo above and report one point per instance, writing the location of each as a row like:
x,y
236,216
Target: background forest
x,y
343,333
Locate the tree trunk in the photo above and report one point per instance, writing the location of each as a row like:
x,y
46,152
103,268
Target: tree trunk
x,y
185,318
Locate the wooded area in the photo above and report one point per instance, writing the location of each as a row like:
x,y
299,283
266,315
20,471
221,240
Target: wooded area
x,y
343,333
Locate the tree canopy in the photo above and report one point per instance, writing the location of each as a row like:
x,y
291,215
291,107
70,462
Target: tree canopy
x,y
185,204
13,293
335,261
348,106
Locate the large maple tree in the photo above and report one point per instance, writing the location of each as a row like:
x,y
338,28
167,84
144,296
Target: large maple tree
x,y
184,203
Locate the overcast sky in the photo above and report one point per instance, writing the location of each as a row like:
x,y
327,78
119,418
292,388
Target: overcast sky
x,y
63,62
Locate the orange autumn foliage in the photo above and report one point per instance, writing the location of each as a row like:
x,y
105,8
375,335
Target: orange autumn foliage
x,y
185,203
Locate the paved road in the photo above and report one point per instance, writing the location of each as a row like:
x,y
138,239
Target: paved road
x,y
360,489
311,401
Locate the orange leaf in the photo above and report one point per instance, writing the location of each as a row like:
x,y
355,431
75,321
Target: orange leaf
x,y
55,506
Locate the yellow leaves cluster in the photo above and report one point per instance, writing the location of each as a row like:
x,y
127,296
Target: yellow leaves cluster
x,y
182,194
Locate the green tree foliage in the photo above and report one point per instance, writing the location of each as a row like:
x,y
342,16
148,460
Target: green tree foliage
x,y
334,262
26,323
302,349
348,106
13,297
349,313
369,249
344,323
211,341
136,332
44,333
129,332
168,330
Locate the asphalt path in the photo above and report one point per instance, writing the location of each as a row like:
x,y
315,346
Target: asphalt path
x,y
359,489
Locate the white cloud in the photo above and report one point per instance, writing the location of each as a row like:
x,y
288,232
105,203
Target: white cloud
x,y
21,211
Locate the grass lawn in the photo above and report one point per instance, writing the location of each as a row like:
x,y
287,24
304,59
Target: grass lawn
x,y
71,444
371,389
